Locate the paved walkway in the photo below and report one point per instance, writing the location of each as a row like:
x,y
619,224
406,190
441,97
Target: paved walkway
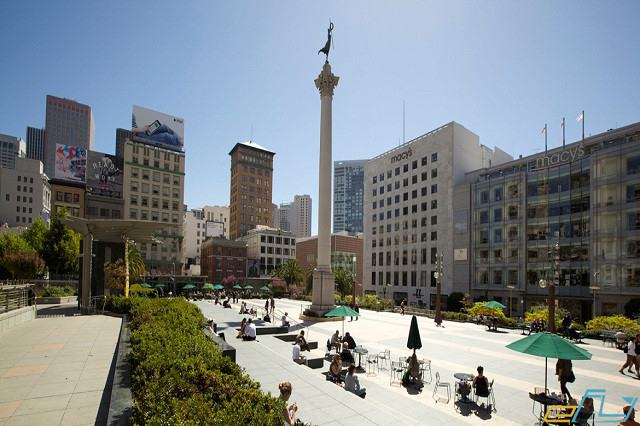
x,y
459,347
53,371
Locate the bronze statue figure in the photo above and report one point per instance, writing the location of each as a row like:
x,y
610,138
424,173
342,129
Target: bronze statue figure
x,y
327,46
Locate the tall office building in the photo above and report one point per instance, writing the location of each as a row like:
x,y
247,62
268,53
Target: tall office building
x,y
251,179
35,143
408,211
284,216
11,148
584,197
67,123
348,195
25,194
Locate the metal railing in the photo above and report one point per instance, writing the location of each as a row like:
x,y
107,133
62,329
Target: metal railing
x,y
13,297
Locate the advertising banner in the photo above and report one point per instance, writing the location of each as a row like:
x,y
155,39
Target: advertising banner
x,y
214,229
104,174
71,162
158,128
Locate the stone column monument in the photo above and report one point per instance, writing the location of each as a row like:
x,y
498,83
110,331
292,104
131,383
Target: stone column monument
x,y
323,278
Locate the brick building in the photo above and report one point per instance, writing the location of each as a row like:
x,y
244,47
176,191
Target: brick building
x,y
222,258
344,248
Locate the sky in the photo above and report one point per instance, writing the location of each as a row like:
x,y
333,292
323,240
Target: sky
x,y
236,70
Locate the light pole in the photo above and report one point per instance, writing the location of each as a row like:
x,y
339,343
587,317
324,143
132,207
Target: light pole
x,y
353,285
438,274
554,255
510,287
595,288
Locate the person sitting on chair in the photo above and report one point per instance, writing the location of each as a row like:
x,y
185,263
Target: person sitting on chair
x,y
335,340
303,342
335,369
345,355
349,339
352,384
585,413
481,384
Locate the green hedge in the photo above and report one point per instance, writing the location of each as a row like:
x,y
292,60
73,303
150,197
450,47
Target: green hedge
x,y
57,291
179,376
614,323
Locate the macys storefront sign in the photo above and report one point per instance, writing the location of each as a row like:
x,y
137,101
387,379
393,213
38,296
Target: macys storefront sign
x,y
559,157
402,156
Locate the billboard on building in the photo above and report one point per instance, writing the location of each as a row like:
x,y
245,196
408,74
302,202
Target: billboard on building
x,y
104,174
70,163
253,268
214,229
158,128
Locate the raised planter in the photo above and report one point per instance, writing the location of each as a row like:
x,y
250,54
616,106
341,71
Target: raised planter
x,y
56,300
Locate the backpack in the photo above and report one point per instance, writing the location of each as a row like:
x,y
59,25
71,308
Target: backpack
x,y
625,348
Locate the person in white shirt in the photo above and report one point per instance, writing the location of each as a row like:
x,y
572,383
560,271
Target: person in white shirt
x,y
296,354
285,319
631,356
249,331
352,384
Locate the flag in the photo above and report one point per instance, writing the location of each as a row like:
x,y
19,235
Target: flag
x,y
544,130
562,123
580,117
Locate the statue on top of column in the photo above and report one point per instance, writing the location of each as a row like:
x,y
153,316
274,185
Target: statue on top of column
x,y
327,46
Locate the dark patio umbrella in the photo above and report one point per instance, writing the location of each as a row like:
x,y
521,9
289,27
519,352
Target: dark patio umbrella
x,y
413,341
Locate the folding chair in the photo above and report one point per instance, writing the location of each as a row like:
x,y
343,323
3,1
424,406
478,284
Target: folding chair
x,y
384,358
438,385
397,370
425,367
490,397
372,364
537,391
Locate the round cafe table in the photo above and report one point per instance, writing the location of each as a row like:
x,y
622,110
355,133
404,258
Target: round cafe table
x,y
360,351
463,377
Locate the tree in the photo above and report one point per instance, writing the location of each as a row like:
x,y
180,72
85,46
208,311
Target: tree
x,y
290,271
36,235
455,302
11,243
632,308
61,247
136,263
22,264
114,275
344,281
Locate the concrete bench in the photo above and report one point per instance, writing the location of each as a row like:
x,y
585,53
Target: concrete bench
x,y
227,350
261,330
315,358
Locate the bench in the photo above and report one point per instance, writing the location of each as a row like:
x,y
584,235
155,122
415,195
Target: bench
x,y
608,337
491,325
526,329
261,330
315,358
227,350
292,338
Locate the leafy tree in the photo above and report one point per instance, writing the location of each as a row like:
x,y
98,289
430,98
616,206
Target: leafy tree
x,y
344,281
455,302
632,308
136,263
115,272
36,235
11,243
61,247
22,264
291,272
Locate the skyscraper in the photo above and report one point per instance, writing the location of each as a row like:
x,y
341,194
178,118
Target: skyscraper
x,y
251,178
35,143
11,148
348,195
301,216
67,122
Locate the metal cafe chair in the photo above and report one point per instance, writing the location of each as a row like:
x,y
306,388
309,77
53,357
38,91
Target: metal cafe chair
x,y
438,385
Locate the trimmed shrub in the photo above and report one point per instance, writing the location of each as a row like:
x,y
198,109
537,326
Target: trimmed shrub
x,y
541,312
57,291
179,376
478,309
455,302
614,323
455,316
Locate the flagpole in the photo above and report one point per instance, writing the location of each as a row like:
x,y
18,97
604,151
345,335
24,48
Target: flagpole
x,y
583,125
545,138
563,132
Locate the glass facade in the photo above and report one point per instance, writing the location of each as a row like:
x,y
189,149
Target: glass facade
x,y
348,195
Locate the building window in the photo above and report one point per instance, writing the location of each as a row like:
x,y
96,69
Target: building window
x,y
434,235
434,157
434,188
434,220
484,197
497,194
497,215
434,173
497,235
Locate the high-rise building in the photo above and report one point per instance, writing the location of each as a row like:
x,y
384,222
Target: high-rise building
x,y
153,187
284,216
200,224
301,219
251,179
67,123
25,194
408,211
348,195
35,143
584,198
11,148
275,215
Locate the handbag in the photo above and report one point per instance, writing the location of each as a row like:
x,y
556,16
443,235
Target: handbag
x,y
572,377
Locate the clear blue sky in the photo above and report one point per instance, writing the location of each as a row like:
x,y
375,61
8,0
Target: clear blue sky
x,y
500,68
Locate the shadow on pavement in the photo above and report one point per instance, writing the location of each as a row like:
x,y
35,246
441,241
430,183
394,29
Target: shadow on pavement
x,y
69,310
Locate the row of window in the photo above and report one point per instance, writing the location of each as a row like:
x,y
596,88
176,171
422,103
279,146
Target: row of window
x,y
24,179
145,188
24,189
403,278
155,176
19,198
155,203
24,209
405,239
156,164
270,239
408,257
414,179
405,211
405,168
278,250
153,215
67,197
375,204
147,150
24,219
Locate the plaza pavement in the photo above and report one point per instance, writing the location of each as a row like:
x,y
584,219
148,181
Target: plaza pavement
x,y
54,369
459,347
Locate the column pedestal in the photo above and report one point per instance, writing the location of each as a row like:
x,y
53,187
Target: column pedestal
x,y
323,292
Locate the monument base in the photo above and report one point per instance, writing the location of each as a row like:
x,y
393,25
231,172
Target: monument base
x,y
323,297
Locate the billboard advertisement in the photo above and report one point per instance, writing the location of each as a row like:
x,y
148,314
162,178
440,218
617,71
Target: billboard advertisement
x,y
158,128
104,174
71,162
214,229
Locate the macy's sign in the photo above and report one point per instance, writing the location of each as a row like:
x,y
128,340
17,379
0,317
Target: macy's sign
x,y
559,157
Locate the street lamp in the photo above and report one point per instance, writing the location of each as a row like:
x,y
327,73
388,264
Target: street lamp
x,y
554,255
594,288
438,274
510,287
353,284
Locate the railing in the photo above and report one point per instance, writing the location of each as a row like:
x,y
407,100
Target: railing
x,y
13,297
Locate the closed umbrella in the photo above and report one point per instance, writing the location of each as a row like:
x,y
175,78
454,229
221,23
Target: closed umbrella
x,y
549,345
494,305
342,311
413,341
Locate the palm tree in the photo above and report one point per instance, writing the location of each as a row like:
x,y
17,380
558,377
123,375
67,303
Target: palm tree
x,y
290,272
136,262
